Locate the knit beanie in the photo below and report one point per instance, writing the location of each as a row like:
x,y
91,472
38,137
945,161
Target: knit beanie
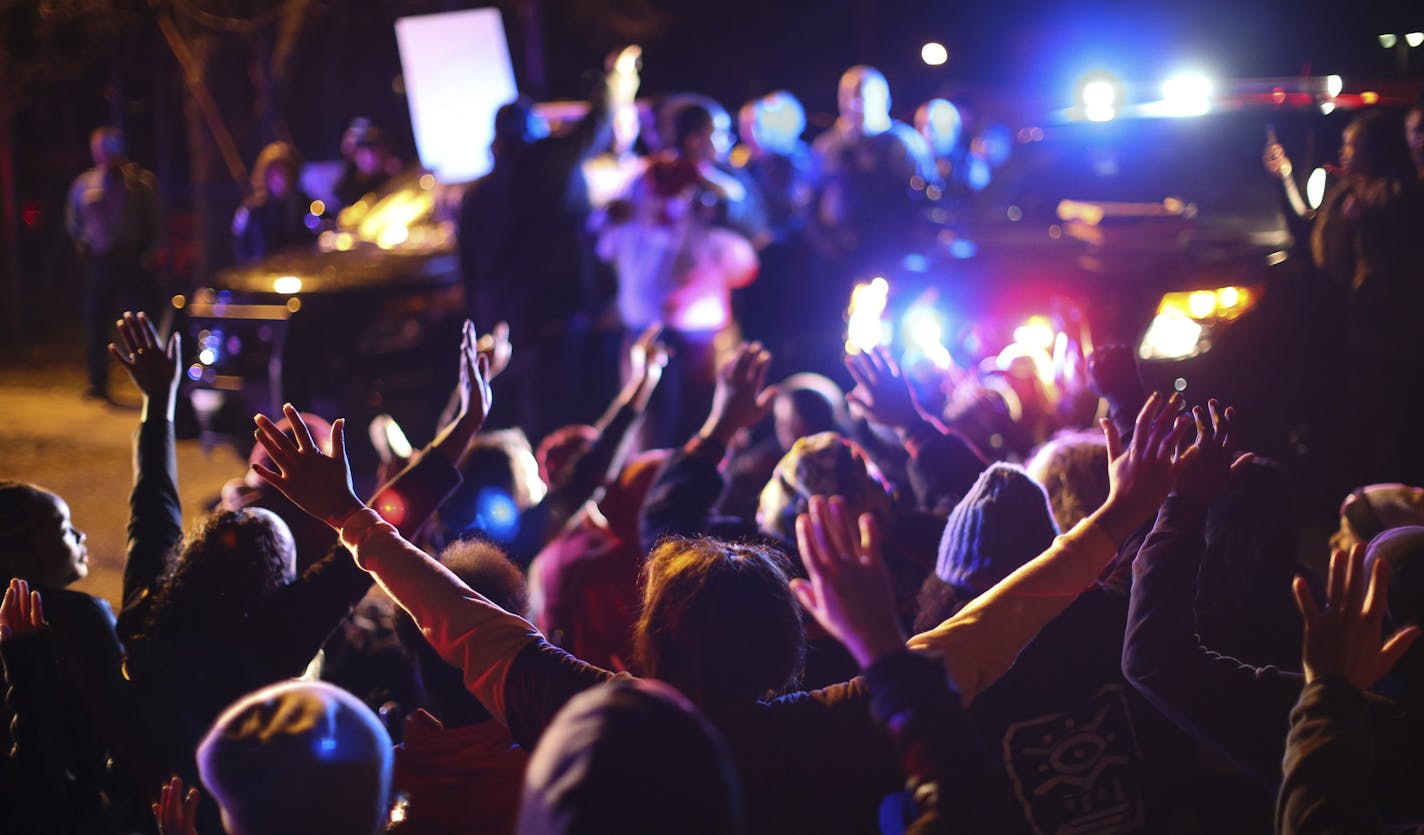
x,y
631,756
298,757
1003,522
824,464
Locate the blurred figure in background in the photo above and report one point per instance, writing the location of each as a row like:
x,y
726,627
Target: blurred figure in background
x,y
274,215
874,174
942,127
779,165
527,256
369,161
112,216
678,266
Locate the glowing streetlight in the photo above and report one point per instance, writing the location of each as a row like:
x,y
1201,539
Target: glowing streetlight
x,y
934,54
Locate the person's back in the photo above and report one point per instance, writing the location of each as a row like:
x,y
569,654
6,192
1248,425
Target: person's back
x,y
459,770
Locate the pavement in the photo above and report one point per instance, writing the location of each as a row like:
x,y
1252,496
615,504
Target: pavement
x,y
83,451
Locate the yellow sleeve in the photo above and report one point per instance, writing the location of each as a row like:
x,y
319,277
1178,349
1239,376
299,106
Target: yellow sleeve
x,y
981,641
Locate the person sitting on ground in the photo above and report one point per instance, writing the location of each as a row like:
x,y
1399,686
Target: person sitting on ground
x,y
1072,469
1329,753
228,613
1243,711
632,756
503,500
586,580
459,770
295,757
733,668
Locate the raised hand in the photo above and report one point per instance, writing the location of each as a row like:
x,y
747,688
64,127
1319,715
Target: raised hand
x,y
152,366
1207,466
1344,638
21,611
881,391
1277,163
496,347
849,591
474,395
175,811
742,397
1141,474
316,482
646,361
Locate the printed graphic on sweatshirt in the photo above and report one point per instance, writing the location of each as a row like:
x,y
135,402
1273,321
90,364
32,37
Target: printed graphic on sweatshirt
x,y
1076,773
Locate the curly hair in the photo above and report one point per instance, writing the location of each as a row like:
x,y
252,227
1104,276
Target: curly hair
x,y
719,621
229,564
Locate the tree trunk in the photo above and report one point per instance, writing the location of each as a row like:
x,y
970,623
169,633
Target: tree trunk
x,y
10,217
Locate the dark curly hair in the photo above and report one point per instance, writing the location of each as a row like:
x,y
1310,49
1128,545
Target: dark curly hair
x,y
719,621
229,564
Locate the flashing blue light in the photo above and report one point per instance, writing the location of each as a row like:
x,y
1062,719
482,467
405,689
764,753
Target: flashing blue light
x,y
326,746
916,263
496,514
979,173
963,249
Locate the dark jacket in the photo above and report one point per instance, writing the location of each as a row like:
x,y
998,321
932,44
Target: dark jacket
x,y
181,683
1329,756
60,720
1241,711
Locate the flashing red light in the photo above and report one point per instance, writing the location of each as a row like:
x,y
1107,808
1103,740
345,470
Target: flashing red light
x,y
30,216
391,507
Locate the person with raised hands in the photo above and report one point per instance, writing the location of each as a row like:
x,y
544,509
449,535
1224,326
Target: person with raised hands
x,y
1240,710
812,761
207,620
942,464
1330,750
683,498
848,591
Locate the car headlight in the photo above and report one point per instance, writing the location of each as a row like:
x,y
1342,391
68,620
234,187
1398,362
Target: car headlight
x,y
1185,320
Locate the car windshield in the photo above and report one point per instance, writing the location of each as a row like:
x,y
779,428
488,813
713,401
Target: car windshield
x,y
1213,163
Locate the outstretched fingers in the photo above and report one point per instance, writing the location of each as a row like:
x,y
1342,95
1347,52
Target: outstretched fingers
x,y
300,431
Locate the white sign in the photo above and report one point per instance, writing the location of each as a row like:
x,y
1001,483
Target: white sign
x,y
457,74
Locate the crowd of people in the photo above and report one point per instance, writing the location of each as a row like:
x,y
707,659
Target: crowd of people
x,y
1116,639
744,607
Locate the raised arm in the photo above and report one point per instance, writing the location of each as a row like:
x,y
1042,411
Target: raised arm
x,y
155,513
983,639
1330,752
943,464
848,592
1238,709
681,500
296,620
466,629
591,470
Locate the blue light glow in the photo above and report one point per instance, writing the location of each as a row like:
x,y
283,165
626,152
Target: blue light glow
x,y
496,514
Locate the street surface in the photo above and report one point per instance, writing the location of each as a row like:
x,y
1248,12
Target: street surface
x,y
82,450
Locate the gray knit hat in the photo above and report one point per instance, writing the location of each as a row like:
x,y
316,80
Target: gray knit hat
x,y
1003,522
